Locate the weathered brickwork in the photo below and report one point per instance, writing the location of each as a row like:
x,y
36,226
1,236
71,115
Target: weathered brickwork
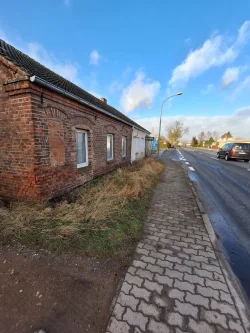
x,y
38,139
175,284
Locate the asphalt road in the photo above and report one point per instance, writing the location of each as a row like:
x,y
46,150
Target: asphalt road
x,y
224,189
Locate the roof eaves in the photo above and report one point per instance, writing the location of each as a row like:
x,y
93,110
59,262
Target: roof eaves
x,y
50,86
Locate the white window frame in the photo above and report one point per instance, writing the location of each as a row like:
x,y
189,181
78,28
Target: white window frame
x,y
112,140
85,164
124,142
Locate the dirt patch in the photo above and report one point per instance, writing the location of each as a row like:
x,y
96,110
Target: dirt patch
x,y
56,293
87,242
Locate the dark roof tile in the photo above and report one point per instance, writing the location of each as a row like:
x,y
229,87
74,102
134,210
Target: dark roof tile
x,y
32,67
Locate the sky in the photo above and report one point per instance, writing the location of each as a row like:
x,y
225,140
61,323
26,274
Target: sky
x,y
136,53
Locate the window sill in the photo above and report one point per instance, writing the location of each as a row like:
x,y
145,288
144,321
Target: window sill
x,y
80,166
84,169
110,161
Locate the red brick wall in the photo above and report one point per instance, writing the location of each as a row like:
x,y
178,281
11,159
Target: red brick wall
x,y
16,135
45,142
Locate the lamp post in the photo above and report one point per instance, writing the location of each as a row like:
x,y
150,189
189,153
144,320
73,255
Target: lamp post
x,y
178,94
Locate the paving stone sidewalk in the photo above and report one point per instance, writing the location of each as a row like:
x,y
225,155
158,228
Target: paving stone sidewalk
x,y
175,283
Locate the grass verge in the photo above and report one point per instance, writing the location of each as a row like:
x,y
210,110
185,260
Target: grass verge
x,y
104,218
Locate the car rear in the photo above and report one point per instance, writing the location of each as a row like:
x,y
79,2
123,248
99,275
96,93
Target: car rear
x,y
240,151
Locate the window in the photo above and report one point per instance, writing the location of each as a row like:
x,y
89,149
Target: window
x,y
242,146
109,147
82,148
124,146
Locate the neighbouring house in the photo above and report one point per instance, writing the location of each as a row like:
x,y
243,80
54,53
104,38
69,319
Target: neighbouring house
x,y
54,135
227,139
149,145
138,149
224,139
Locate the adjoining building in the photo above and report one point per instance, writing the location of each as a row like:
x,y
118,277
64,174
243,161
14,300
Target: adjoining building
x,y
225,138
54,135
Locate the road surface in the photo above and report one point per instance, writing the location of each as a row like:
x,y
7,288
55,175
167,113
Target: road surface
x,y
224,189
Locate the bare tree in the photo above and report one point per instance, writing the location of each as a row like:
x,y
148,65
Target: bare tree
x,y
201,137
208,135
176,131
216,135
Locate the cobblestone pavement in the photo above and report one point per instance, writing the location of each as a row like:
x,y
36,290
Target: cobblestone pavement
x,y
175,283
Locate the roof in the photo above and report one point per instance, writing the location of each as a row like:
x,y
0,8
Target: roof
x,y
34,68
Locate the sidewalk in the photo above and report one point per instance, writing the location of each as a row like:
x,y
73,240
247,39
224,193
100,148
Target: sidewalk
x,y
175,283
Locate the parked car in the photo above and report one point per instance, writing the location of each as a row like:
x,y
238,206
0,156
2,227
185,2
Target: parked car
x,y
239,151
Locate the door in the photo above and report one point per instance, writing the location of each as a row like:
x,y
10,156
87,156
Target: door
x,y
223,150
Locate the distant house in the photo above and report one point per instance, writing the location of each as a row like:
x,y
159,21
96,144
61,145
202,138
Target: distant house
x,y
138,150
55,136
227,139
224,139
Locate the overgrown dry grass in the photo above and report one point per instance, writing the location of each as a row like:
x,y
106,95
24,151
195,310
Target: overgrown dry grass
x,y
104,217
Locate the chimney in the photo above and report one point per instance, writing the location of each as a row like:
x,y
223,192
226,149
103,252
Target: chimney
x,y
103,99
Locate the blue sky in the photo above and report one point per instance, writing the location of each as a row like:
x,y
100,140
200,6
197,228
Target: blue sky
x,y
136,53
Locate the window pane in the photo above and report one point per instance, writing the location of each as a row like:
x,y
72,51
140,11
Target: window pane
x,y
81,147
124,146
109,147
84,155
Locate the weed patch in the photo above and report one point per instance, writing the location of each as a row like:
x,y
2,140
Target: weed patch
x,y
103,220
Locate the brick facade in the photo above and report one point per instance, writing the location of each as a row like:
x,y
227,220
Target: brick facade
x,y
38,139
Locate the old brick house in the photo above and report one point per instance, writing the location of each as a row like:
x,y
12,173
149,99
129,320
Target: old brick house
x,y
54,136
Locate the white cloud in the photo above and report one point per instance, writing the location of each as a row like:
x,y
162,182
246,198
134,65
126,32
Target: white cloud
x,y
40,54
140,93
215,52
94,57
242,87
244,32
208,89
230,75
243,112
238,123
36,51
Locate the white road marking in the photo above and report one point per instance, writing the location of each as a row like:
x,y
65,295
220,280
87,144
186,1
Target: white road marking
x,y
184,159
187,163
248,169
191,168
214,158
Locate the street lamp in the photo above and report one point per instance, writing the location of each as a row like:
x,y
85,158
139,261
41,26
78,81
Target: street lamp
x,y
178,94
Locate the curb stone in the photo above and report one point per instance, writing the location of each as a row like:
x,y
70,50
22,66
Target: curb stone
x,y
196,301
231,280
